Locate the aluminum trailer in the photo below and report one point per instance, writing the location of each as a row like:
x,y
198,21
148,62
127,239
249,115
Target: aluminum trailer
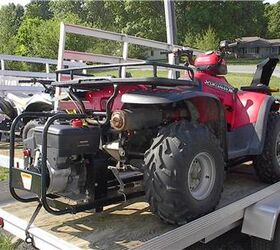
x,y
245,201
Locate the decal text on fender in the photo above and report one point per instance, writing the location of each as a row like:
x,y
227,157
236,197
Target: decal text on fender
x,y
220,86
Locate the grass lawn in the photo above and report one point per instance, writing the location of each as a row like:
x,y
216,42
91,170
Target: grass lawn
x,y
236,79
243,61
239,80
4,172
5,242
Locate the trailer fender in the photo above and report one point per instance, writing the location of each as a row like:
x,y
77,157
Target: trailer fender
x,y
261,218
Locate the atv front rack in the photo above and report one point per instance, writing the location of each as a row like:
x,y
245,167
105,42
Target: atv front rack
x,y
39,180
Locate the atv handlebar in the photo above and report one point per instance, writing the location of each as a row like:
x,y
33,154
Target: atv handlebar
x,y
181,52
178,52
35,80
43,82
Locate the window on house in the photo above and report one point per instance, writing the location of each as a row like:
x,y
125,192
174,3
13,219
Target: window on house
x,y
254,50
152,53
242,51
274,50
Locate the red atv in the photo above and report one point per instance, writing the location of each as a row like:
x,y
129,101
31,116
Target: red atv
x,y
171,139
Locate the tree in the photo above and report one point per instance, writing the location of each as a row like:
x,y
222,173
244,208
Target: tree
x,y
230,19
37,37
27,36
273,15
39,9
10,20
208,40
62,8
98,14
139,18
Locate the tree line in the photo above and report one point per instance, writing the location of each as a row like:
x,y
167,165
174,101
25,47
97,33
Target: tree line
x,y
33,30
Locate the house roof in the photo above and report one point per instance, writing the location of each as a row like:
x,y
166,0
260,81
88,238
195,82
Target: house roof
x,y
255,41
274,42
249,38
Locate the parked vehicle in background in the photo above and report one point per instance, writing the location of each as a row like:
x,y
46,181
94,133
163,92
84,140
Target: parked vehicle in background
x,y
14,104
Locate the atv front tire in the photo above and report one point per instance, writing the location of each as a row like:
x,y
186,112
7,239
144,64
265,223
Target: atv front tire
x,y
267,165
28,128
7,108
184,172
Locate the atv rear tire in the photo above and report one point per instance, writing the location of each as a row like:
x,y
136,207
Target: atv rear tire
x,y
184,172
267,165
7,108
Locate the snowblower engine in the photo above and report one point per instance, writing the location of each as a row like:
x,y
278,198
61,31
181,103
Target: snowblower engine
x,y
70,154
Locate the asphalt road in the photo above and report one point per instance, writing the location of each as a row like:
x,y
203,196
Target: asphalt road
x,y
249,69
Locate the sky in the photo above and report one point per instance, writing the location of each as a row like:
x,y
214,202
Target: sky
x,y
24,2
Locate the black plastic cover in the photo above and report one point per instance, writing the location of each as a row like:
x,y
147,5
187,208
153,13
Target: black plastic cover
x,y
264,71
70,141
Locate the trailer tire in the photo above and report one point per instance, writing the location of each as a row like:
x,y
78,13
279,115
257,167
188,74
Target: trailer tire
x,y
267,165
184,172
261,244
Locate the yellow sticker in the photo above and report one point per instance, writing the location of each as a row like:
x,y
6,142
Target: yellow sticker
x,y
26,180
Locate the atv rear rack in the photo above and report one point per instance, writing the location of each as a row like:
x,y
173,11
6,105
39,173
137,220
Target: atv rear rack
x,y
90,81
120,66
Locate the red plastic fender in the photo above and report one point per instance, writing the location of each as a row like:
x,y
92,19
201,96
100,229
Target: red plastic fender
x,y
247,107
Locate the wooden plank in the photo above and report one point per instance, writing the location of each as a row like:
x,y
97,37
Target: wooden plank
x,y
127,225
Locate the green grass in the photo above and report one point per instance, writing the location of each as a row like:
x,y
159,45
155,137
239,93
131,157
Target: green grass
x,y
235,79
238,80
4,172
243,61
5,242
133,72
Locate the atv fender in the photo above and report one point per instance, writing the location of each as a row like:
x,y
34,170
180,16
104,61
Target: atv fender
x,y
38,107
203,107
257,143
161,97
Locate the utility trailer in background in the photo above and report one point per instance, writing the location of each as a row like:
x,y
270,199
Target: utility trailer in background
x,y
245,201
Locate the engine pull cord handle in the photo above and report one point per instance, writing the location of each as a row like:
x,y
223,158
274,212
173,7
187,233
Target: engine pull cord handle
x,y
29,239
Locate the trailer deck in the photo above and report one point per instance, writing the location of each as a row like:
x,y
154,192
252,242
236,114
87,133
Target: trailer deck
x,y
132,225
